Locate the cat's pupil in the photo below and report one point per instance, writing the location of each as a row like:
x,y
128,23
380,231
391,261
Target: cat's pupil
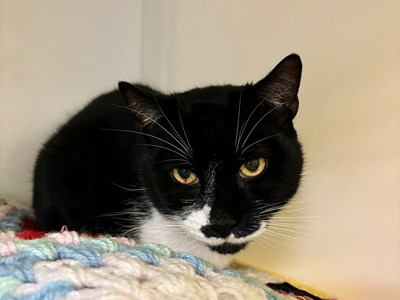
x,y
252,165
185,174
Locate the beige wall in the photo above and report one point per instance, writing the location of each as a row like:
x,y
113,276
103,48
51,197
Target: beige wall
x,y
346,229
54,56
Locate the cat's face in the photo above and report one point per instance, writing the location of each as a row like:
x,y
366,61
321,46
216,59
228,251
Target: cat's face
x,y
222,160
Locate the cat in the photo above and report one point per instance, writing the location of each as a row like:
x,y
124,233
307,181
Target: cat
x,y
201,171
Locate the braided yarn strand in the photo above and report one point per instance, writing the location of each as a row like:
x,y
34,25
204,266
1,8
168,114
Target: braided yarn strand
x,y
68,265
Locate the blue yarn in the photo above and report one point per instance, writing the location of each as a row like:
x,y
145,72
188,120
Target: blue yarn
x,y
51,291
228,272
44,248
159,249
20,271
19,266
144,254
91,258
100,244
13,218
197,263
21,256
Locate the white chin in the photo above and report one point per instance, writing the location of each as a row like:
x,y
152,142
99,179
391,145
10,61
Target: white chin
x,y
159,230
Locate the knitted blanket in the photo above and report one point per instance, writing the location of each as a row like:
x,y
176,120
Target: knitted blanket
x,y
69,265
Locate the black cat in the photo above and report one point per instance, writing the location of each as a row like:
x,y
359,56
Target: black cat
x,y
201,171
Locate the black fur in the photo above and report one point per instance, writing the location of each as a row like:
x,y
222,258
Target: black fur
x,y
104,161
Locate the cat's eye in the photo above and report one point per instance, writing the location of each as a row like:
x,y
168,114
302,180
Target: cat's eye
x,y
184,176
253,168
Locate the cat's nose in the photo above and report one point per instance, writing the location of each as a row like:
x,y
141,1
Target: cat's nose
x,y
222,229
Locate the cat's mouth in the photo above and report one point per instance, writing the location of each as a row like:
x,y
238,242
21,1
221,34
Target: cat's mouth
x,y
231,244
227,248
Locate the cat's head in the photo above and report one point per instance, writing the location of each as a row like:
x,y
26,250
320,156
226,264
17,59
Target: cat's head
x,y
221,160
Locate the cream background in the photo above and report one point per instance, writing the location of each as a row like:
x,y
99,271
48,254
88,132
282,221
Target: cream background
x,y
55,55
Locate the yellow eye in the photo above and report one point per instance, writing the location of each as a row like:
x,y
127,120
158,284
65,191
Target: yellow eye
x,y
184,176
253,168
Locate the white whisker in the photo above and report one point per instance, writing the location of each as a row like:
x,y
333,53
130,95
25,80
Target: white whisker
x,y
243,128
238,121
255,125
162,147
279,228
265,243
173,159
128,189
256,142
146,134
162,127
181,141
276,241
184,131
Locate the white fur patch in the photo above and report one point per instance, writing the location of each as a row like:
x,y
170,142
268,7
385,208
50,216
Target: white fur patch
x,y
160,230
199,218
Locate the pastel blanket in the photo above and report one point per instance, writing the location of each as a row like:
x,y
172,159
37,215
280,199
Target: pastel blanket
x,y
71,265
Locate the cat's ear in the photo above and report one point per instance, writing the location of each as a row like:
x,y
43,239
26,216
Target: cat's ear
x,y
281,85
142,102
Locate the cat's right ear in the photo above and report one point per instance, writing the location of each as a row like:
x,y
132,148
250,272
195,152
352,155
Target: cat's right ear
x,y
141,102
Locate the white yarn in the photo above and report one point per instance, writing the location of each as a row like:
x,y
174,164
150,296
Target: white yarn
x,y
126,277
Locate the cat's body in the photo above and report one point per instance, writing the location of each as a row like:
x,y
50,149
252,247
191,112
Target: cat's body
x,y
201,171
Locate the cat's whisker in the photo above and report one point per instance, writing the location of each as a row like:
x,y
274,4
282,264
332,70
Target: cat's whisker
x,y
286,225
286,209
265,244
284,238
238,121
243,128
157,226
128,233
272,242
162,127
182,142
110,215
184,131
288,230
258,141
189,245
173,159
162,147
269,209
121,106
292,209
255,125
310,218
128,189
146,134
135,210
122,219
290,236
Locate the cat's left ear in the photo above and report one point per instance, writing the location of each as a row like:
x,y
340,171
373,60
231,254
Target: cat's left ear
x,y
141,100
281,85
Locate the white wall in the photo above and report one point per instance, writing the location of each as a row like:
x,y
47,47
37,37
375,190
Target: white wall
x,y
57,54
349,122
